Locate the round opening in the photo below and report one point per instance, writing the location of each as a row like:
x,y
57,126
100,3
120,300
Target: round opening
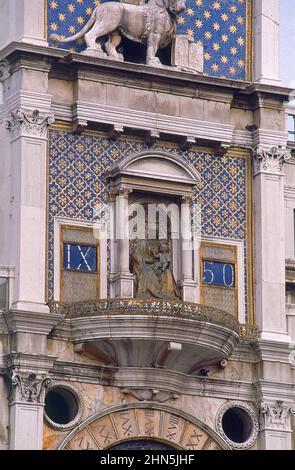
x,y
237,425
61,405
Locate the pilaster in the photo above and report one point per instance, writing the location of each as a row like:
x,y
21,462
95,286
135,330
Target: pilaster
x,y
275,425
23,21
27,380
28,146
269,239
266,41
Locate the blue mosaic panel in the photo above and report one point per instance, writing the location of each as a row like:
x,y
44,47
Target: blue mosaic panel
x,y
79,258
218,274
219,25
77,183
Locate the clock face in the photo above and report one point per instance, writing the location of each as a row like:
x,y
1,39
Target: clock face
x,y
80,258
218,274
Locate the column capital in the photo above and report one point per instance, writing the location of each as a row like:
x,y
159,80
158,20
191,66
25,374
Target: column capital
x,y
123,191
187,199
29,124
275,414
270,161
27,387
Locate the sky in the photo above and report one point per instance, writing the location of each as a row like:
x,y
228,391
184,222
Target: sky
x,y
287,42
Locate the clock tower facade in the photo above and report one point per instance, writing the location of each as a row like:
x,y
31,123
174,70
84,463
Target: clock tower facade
x,y
146,186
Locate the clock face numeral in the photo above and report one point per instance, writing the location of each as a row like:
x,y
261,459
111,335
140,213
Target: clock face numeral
x,y
80,258
218,274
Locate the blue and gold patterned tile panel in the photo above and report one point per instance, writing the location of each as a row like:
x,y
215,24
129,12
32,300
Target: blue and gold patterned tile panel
x,y
221,26
77,182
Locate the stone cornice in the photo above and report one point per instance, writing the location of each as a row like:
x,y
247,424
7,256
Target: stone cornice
x,y
31,322
15,50
158,379
273,390
272,351
27,362
84,112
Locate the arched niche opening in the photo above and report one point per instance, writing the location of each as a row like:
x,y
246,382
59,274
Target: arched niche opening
x,y
153,247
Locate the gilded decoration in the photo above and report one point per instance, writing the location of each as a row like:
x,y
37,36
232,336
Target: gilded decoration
x,y
77,183
222,27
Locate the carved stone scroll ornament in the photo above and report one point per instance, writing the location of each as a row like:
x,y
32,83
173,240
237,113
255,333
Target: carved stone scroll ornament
x,y
270,161
161,396
31,125
275,414
153,24
27,387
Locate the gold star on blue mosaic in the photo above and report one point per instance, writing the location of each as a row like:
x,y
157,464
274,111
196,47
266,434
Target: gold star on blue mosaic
x,y
219,25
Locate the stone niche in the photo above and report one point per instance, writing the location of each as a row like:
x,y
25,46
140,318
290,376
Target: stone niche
x,y
157,187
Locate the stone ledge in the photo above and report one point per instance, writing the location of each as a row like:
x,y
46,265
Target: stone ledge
x,y
17,49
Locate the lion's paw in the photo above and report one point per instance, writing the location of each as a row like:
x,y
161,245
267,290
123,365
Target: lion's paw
x,y
94,53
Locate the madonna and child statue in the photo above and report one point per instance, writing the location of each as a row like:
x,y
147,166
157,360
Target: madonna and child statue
x,y
151,264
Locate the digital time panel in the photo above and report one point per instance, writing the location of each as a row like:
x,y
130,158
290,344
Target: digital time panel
x,y
218,274
80,258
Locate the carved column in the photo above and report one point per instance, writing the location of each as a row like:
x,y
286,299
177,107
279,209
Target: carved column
x,y
269,240
275,425
26,402
26,201
188,286
122,280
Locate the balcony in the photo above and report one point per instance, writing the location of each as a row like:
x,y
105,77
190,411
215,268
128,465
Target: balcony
x,y
175,335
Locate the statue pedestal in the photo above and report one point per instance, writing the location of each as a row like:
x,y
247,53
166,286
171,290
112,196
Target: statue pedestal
x,y
122,285
188,290
186,54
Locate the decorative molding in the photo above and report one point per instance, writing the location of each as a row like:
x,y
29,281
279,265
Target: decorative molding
x,y
80,409
27,387
149,307
270,160
275,414
20,124
154,123
142,394
19,321
157,379
255,424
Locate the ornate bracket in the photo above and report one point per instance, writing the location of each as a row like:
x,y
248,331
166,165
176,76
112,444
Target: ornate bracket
x,y
115,132
275,414
186,143
151,137
27,387
34,125
270,161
